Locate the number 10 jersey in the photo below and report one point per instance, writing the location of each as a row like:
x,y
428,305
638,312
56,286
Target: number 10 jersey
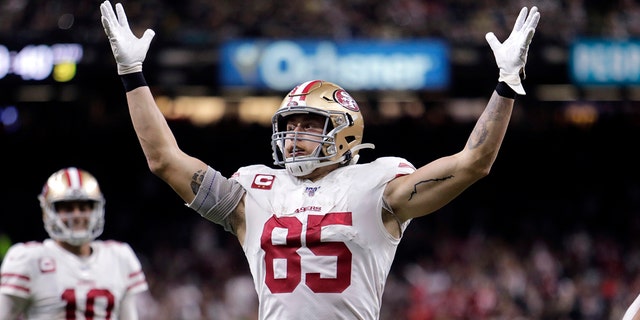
x,y
61,285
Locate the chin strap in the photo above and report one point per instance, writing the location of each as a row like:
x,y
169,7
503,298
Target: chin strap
x,y
355,158
349,159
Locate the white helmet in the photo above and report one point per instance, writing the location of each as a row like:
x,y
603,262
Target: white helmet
x,y
71,184
341,138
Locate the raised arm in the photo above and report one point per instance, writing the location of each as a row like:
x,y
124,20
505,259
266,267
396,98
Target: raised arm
x,y
164,158
437,183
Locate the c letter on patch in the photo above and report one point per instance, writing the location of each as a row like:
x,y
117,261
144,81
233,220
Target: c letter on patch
x,y
263,181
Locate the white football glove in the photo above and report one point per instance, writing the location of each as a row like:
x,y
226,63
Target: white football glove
x,y
128,49
511,55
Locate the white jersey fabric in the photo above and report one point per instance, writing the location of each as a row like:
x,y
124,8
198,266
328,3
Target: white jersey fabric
x,y
61,285
319,250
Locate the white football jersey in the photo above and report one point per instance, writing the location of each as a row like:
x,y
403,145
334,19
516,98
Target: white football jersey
x,y
61,285
319,250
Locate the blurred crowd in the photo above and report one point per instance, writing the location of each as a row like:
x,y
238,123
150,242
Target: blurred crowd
x,y
198,22
576,274
478,276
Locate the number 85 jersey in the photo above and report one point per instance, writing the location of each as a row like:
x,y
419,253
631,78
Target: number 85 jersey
x,y
319,250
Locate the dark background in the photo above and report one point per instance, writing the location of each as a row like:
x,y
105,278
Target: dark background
x,y
552,178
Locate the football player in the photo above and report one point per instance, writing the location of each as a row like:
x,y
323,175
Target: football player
x,y
71,275
320,233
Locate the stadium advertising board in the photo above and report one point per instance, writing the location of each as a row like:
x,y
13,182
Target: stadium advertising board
x,y
355,64
605,62
40,62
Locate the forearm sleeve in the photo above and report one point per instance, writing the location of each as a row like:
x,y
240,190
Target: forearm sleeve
x,y
217,198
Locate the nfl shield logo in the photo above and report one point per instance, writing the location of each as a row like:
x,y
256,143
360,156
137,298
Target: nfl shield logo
x,y
311,191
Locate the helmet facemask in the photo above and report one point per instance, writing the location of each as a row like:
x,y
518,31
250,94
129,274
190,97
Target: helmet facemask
x,y
72,185
323,154
61,228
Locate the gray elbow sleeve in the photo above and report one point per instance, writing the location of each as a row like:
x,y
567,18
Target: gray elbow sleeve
x,y
217,198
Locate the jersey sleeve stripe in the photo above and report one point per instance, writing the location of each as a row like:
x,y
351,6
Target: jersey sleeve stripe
x,y
16,287
16,275
136,284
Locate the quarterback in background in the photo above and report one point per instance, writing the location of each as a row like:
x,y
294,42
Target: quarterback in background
x,y
71,275
319,233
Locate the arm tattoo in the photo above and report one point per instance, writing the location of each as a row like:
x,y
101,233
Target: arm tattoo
x,y
196,181
415,186
480,131
479,135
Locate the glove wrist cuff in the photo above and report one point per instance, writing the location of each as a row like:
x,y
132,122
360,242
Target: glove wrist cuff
x,y
513,80
504,90
132,68
133,81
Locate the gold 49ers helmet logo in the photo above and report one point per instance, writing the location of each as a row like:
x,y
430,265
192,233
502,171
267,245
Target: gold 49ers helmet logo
x,y
345,100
